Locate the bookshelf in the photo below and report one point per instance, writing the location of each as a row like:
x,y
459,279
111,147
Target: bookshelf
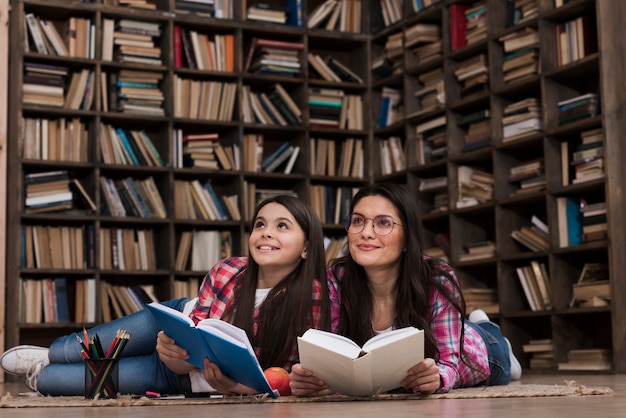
x,y
126,135
525,162
443,140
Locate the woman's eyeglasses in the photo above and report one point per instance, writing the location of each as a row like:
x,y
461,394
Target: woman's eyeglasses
x,y
381,224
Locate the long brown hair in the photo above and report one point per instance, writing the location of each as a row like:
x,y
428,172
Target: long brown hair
x,y
416,277
287,311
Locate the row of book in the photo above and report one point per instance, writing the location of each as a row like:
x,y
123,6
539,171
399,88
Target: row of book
x,y
340,15
392,158
54,139
131,41
432,95
521,54
55,191
199,250
74,37
575,39
119,300
593,287
131,197
65,247
331,69
196,200
326,161
257,158
203,99
45,85
477,128
578,107
580,220
202,51
127,249
252,195
331,203
391,106
55,300
536,285
128,147
271,106
219,9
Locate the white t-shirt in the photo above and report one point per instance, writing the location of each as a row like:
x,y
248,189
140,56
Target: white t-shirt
x,y
198,382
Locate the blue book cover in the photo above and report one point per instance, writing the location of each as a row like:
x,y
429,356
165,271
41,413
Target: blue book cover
x,y
216,199
122,135
574,222
62,301
294,16
268,160
224,344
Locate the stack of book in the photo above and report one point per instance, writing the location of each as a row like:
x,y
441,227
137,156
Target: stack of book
x,y
47,191
477,125
421,34
137,91
205,150
432,95
394,50
265,12
541,353
535,237
529,176
134,42
520,11
138,4
480,298
475,186
588,157
424,52
473,75
521,119
593,286
476,22
438,252
594,220
590,359
521,56
325,107
536,285
431,139
579,107
44,84
271,56
330,69
478,251
199,7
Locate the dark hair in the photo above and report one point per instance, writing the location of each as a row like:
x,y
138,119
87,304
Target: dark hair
x,y
287,311
416,276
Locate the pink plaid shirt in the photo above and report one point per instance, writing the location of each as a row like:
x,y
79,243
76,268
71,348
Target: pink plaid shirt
x,y
219,287
446,325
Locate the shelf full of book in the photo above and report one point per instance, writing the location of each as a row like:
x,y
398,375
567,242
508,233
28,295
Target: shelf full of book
x,y
512,146
144,136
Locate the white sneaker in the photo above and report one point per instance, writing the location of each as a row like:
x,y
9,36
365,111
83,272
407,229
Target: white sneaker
x,y
25,360
516,367
478,316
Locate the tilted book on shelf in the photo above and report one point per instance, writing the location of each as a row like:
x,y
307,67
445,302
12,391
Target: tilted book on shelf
x,y
379,366
221,342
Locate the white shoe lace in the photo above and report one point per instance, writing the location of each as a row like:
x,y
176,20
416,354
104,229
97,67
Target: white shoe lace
x,y
32,374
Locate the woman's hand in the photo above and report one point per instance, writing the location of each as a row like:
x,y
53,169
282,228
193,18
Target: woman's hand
x,y
423,378
221,383
303,383
173,356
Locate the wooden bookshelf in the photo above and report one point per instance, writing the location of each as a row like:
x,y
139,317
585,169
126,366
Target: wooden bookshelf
x,y
424,124
586,70
145,101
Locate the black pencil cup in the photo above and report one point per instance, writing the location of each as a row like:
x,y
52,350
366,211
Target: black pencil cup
x,y
101,378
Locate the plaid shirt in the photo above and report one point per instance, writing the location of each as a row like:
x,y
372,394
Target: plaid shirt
x,y
217,296
446,325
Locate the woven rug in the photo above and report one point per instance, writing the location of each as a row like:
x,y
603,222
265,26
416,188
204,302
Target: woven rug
x,y
570,388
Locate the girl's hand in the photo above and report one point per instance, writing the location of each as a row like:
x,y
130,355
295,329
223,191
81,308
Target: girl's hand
x,y
303,383
173,356
423,378
221,383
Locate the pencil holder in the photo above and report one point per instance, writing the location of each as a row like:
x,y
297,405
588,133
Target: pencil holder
x,y
101,378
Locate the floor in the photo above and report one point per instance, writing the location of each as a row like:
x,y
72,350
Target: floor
x,y
612,406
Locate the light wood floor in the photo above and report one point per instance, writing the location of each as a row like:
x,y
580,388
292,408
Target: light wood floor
x,y
557,407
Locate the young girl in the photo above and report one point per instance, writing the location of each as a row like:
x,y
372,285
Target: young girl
x,y
274,294
386,282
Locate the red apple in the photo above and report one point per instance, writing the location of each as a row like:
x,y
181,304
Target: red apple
x,y
278,378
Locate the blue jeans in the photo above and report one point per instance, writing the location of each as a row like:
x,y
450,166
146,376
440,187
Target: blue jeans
x,y
140,368
498,351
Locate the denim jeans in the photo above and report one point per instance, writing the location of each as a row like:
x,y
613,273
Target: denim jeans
x,y
498,351
140,368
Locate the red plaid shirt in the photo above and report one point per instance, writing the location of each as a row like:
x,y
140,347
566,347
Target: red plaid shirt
x,y
219,287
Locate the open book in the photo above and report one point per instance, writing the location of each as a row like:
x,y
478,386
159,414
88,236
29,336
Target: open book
x,y
223,343
380,365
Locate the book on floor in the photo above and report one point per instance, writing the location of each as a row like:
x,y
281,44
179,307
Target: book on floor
x,y
379,366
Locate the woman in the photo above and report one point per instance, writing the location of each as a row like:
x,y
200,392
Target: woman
x,y
274,294
386,282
